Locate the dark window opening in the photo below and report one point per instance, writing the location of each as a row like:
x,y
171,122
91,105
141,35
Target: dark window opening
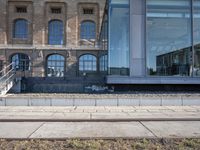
x,y
20,62
21,9
56,10
88,11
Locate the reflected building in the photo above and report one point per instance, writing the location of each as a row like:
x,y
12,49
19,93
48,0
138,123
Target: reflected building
x,y
154,42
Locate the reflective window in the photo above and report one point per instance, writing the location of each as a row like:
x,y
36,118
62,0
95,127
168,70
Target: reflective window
x,y
56,32
88,30
119,37
55,66
196,8
169,51
103,63
20,62
20,29
87,63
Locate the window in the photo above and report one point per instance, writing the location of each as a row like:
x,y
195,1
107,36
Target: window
x,y
104,63
55,65
119,36
56,10
20,29
55,32
21,9
88,11
196,29
88,30
87,63
20,62
169,54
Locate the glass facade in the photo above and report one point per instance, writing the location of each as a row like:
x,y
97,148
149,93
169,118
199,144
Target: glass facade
x,y
55,66
196,23
103,65
119,22
169,37
103,39
87,63
56,32
20,62
20,29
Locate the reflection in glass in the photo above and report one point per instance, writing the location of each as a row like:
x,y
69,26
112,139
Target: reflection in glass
x,y
119,37
169,51
196,10
55,66
103,63
87,63
20,62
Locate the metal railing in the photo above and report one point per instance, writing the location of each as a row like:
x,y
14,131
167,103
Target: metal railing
x,y
7,77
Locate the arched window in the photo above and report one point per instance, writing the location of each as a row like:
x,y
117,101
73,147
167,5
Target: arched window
x,y
20,62
87,63
56,35
88,30
20,29
103,63
55,65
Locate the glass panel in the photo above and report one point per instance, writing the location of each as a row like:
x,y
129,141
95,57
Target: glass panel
x,y
55,66
20,29
119,37
56,32
169,51
88,30
103,63
196,37
87,63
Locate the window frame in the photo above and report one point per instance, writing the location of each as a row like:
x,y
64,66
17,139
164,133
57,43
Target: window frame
x,y
86,28
18,31
56,63
53,35
91,63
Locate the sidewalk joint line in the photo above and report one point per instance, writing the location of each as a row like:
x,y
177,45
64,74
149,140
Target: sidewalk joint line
x,y
148,129
36,130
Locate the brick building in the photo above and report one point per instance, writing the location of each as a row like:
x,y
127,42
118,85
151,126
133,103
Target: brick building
x,y
52,39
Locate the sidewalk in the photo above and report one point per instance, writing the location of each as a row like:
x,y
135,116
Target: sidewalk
x,y
126,113
99,122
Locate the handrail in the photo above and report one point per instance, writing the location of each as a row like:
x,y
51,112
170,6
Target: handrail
x,y
4,69
7,79
2,77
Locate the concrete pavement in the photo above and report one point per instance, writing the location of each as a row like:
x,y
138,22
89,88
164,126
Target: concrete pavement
x,y
104,130
128,113
99,122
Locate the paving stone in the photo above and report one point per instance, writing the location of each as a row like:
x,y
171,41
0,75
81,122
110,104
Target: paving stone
x,y
172,101
84,102
18,130
2,102
106,102
175,129
150,101
62,102
92,130
129,102
40,102
17,102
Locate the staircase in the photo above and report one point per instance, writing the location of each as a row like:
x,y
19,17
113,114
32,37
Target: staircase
x,y
7,79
